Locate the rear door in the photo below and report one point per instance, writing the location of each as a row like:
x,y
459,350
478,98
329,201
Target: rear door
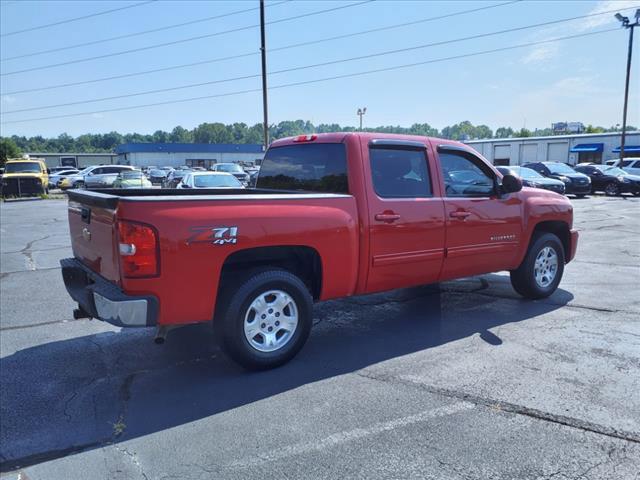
x,y
406,219
483,228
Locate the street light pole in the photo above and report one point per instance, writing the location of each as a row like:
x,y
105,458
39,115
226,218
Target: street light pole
x,y
631,26
361,112
263,52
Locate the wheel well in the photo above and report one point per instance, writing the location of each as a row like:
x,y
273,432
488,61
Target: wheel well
x,y
302,261
559,229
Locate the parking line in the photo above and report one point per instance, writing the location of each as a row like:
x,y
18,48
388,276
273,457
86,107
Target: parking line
x,y
350,435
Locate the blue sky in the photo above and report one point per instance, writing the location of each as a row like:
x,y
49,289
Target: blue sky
x,y
574,80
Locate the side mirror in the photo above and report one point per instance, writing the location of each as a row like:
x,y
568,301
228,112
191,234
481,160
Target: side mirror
x,y
510,184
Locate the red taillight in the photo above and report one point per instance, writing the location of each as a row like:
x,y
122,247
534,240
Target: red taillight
x,y
138,246
305,138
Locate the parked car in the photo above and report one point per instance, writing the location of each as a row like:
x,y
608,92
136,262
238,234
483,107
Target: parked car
x,y
210,180
174,178
629,165
234,169
132,179
157,176
96,176
59,175
531,178
258,259
24,177
612,181
575,183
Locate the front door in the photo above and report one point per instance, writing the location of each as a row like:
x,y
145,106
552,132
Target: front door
x,y
484,229
406,220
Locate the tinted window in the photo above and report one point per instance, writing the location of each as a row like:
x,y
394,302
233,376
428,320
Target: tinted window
x,y
229,167
399,173
527,172
465,176
22,167
316,167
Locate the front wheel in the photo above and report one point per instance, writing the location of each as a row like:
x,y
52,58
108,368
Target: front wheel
x,y
612,189
539,274
266,320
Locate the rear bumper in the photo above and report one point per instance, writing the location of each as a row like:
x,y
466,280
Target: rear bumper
x,y
103,300
574,245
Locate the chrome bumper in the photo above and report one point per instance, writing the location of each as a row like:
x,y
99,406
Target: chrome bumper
x,y
103,300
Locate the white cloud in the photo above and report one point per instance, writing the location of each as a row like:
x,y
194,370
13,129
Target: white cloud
x,y
541,54
626,7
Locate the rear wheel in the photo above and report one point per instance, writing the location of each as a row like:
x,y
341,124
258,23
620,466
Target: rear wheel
x,y
612,189
540,272
266,320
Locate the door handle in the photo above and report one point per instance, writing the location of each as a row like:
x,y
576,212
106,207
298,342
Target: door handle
x,y
387,217
461,215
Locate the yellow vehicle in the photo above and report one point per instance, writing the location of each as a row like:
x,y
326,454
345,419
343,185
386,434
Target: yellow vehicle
x,y
25,177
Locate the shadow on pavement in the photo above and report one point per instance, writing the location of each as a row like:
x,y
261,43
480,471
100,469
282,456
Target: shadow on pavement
x,y
72,395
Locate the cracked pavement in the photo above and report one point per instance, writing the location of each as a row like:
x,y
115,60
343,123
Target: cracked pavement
x,y
463,380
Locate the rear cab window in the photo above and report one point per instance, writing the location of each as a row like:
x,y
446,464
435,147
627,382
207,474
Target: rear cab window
x,y
312,167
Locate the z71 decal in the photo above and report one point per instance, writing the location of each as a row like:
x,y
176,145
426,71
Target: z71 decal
x,y
215,235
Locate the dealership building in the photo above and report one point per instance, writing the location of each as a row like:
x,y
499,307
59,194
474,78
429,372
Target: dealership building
x,y
571,149
191,154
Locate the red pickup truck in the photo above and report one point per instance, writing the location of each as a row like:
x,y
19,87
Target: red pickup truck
x,y
332,215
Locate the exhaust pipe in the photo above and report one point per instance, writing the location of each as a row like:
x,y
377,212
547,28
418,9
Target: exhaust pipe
x,y
161,335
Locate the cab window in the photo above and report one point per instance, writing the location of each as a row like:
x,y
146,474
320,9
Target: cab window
x,y
465,175
399,172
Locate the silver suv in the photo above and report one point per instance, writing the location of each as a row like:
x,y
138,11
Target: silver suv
x,y
98,176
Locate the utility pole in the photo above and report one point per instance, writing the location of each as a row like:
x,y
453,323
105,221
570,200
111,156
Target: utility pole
x,y
263,51
361,112
631,26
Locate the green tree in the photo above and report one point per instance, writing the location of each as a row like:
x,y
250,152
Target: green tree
x,y
212,133
504,132
180,135
8,149
523,132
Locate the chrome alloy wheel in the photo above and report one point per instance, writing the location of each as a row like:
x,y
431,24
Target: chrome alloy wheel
x,y
271,321
546,267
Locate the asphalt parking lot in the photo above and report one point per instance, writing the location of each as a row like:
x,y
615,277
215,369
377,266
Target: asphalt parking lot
x,y
465,380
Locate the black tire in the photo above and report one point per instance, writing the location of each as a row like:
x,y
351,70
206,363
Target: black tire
x,y
612,189
230,318
523,279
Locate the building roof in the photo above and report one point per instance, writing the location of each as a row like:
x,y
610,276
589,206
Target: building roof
x,y
188,148
577,136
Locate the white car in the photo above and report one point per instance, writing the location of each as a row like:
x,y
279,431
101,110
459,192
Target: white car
x,y
209,180
629,165
56,177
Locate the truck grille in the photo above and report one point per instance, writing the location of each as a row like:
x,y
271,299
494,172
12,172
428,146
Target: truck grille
x,y
17,187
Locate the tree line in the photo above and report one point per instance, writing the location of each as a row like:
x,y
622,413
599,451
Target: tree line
x,y
245,134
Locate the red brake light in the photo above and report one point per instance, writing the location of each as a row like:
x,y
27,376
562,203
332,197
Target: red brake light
x,y
138,246
305,138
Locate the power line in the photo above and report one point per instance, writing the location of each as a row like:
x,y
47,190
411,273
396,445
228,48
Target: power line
x,y
271,50
318,80
304,67
184,40
84,17
144,32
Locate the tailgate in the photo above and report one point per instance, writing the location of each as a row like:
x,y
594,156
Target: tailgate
x,y
93,235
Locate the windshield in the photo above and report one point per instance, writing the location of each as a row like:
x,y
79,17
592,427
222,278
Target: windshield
x,y
129,175
526,172
206,181
559,168
228,167
22,167
158,173
612,170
